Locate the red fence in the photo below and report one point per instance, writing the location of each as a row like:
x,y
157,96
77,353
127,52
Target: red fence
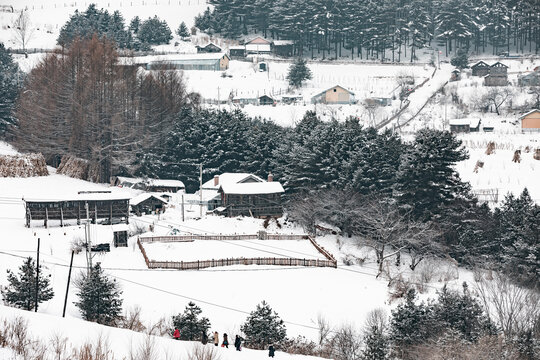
x,y
201,264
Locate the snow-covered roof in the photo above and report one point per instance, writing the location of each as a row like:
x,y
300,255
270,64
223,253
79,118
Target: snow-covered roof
x,y
130,180
98,196
272,187
237,47
136,60
120,227
472,122
258,40
165,183
230,178
529,113
319,92
143,197
207,195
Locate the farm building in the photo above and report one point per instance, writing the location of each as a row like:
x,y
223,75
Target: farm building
x,y
163,185
464,125
120,235
283,48
530,121
237,52
532,79
334,95
128,182
266,100
480,69
210,61
210,48
256,199
147,203
498,75
210,194
101,205
258,45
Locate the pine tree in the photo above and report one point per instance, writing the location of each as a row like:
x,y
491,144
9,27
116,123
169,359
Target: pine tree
x,y
298,72
154,31
263,326
135,24
376,345
182,30
461,60
190,325
99,297
21,291
10,81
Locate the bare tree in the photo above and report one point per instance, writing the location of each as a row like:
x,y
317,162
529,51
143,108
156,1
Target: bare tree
x,y
22,27
202,352
497,96
324,328
514,308
346,344
535,92
376,319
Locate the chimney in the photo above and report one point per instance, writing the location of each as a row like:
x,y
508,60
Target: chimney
x,y
216,180
270,177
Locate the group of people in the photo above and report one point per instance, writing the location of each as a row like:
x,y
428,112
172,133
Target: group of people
x,y
237,341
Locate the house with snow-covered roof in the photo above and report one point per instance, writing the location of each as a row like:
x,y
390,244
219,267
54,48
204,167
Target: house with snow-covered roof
x,y
334,95
530,122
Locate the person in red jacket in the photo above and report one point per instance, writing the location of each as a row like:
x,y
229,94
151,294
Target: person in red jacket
x,y
176,334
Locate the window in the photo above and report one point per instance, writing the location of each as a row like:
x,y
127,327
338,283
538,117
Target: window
x,y
335,90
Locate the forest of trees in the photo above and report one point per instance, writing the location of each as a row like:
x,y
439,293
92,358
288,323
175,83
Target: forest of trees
x,y
382,29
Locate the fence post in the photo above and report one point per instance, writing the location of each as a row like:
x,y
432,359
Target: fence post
x,y
198,267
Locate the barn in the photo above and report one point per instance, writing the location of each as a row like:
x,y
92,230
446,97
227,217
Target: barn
x,y
464,125
210,61
498,75
147,203
237,52
480,69
530,122
258,45
266,100
256,199
283,48
334,95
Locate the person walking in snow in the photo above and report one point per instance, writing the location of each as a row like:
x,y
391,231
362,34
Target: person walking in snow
x,y
216,338
271,351
204,338
225,341
176,334
237,342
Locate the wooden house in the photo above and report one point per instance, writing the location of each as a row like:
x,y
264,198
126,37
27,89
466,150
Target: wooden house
x,y
164,185
464,125
531,79
210,48
208,61
237,52
498,69
283,48
266,100
480,69
102,205
147,204
334,95
258,45
498,75
256,199
530,122
210,194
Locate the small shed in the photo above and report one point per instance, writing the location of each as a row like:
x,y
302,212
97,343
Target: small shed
x,y
147,203
209,48
258,45
480,69
262,66
334,95
120,235
464,125
266,100
210,61
530,122
283,48
532,79
237,52
488,125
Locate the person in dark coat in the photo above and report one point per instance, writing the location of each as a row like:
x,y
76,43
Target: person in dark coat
x,y
225,341
204,338
176,334
237,342
271,351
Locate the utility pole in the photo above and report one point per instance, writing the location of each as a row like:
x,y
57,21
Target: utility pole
x,y
68,281
88,246
200,189
182,207
37,275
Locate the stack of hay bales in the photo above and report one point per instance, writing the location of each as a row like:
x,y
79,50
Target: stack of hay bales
x,y
78,168
23,165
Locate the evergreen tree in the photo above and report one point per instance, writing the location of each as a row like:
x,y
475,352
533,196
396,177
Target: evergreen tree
x,y
135,24
461,60
263,326
10,81
409,323
426,180
376,345
21,291
190,325
182,30
154,31
99,297
298,73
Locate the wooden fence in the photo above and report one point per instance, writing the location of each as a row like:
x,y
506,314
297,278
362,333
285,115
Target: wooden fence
x,y
201,264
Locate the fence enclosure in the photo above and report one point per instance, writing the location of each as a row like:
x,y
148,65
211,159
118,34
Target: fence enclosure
x,y
201,264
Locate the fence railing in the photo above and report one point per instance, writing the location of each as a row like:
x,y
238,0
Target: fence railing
x,y
201,264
